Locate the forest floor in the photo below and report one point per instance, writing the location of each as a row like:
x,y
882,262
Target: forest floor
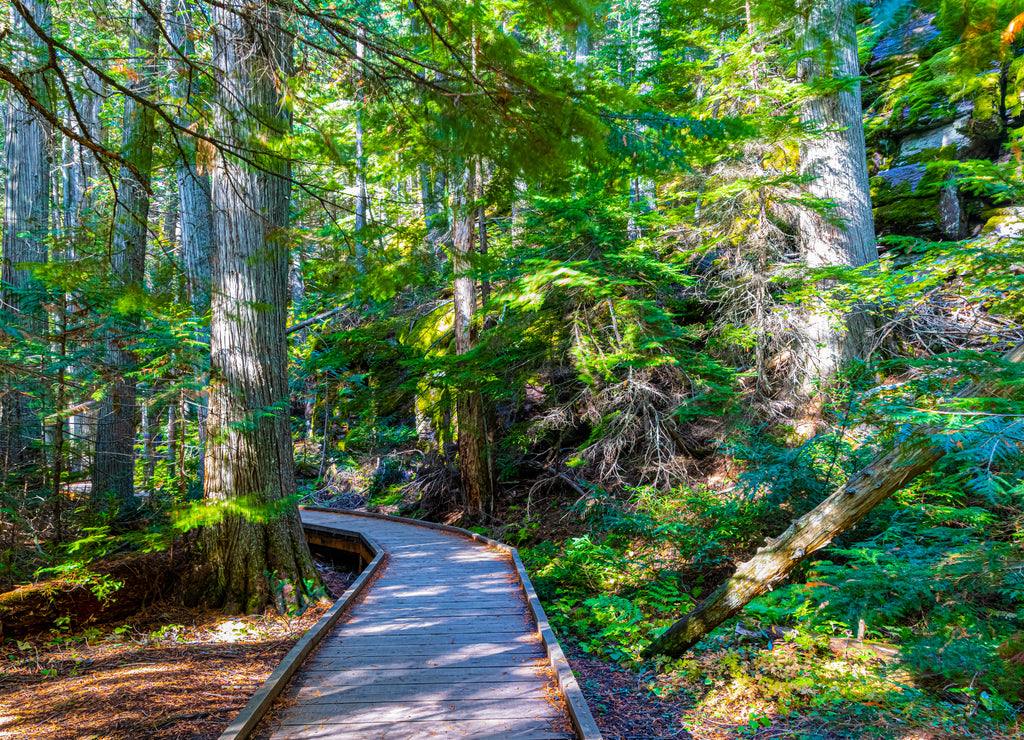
x,y
626,707
169,672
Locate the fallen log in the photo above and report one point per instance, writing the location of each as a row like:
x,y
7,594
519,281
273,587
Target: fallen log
x,y
141,578
864,491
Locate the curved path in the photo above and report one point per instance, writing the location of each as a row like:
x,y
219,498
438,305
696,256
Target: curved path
x,y
444,644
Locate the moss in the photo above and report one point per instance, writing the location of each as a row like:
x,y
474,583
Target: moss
x,y
881,190
998,218
909,217
932,155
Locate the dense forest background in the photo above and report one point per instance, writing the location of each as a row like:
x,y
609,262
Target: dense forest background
x,y
646,289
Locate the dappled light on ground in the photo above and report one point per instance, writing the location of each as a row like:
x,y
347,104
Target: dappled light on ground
x,y
161,679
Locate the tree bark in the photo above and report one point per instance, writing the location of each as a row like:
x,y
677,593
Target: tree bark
x,y
194,209
360,223
255,552
864,491
471,422
26,224
81,167
114,462
836,159
643,192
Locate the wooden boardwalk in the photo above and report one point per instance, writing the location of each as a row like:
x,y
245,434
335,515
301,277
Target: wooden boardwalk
x,y
441,646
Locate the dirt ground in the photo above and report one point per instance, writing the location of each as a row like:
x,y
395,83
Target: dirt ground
x,y
169,672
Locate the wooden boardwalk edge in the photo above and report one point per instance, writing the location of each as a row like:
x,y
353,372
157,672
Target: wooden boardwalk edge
x,y
254,710
579,713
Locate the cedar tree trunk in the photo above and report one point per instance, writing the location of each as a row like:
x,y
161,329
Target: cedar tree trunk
x,y
472,424
255,552
26,224
114,462
837,161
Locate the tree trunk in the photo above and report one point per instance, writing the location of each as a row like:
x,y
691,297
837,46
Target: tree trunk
x,y
472,428
836,160
114,462
360,224
26,224
432,196
194,214
255,552
80,167
864,491
79,203
643,192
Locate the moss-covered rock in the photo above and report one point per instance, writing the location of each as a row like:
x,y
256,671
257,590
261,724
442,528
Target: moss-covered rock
x,y
909,217
1003,222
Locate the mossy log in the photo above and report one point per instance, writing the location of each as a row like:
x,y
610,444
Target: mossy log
x,y
864,491
35,608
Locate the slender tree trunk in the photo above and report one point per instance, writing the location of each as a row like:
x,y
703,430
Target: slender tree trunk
x,y
80,175
259,556
582,44
26,224
361,204
472,428
172,442
432,197
80,168
643,192
114,462
835,158
864,491
194,210
194,205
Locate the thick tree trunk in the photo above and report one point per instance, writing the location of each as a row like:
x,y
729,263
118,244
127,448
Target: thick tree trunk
x,y
864,491
26,224
114,462
836,159
255,553
472,427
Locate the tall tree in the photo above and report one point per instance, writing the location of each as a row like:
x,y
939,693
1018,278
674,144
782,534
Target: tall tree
x,y
361,197
255,552
474,468
114,462
643,192
193,179
80,164
26,217
836,161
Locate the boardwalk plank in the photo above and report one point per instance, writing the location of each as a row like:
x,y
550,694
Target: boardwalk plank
x,y
425,662
466,730
327,693
447,711
338,650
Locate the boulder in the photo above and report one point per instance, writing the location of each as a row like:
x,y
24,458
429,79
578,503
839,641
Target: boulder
x,y
1003,223
917,194
908,39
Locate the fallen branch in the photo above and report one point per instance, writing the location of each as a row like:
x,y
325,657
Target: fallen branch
x,y
864,491
314,319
